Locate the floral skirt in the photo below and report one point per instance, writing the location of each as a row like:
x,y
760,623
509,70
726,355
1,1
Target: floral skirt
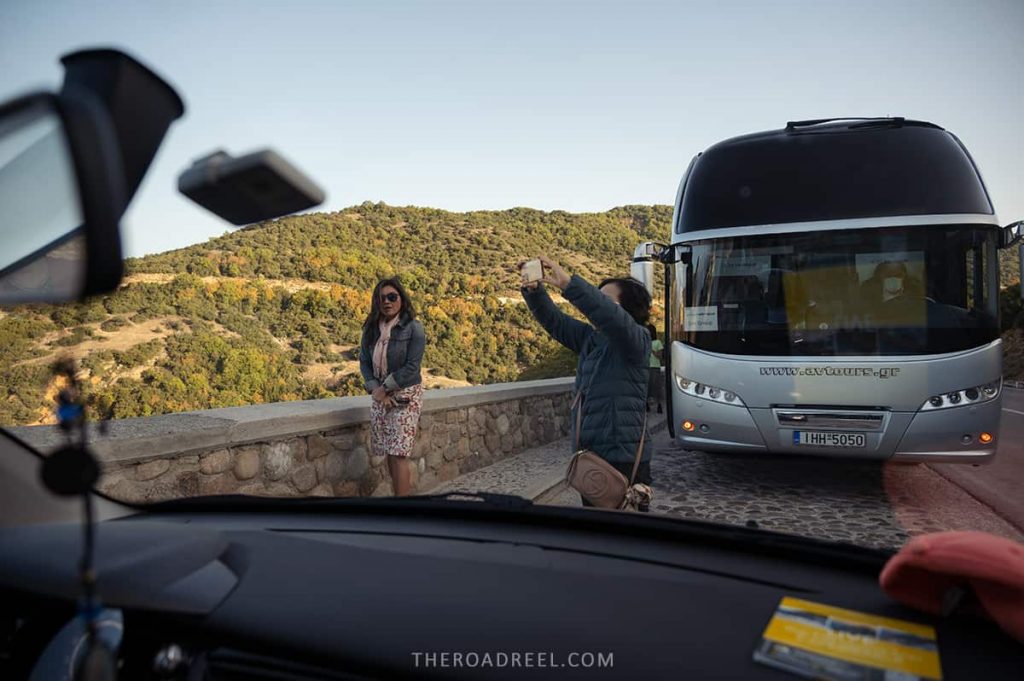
x,y
393,429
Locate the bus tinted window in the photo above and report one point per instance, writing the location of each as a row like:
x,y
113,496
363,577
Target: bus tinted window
x,y
835,175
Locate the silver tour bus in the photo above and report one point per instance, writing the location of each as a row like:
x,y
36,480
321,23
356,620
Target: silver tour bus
x,y
831,289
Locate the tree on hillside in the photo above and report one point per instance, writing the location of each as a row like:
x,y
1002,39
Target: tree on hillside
x,y
226,342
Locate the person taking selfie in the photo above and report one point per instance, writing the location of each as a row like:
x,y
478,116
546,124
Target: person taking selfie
x,y
612,373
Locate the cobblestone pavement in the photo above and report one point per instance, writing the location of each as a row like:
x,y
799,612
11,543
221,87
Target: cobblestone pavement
x,y
528,475
865,503
843,501
825,499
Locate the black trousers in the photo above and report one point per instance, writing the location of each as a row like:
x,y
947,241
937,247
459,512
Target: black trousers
x,y
643,475
655,384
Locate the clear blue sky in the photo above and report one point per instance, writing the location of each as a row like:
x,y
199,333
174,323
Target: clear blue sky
x,y
573,105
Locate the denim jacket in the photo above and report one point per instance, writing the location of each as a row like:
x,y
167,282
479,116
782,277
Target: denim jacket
x,y
405,352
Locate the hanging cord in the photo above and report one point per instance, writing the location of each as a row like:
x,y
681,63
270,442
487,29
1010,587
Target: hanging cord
x,y
71,471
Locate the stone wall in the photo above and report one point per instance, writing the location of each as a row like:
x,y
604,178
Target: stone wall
x,y
317,447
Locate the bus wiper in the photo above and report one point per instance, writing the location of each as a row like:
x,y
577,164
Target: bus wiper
x,y
865,122
879,123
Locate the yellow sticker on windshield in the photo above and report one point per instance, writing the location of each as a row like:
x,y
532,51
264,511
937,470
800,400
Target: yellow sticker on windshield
x,y
824,642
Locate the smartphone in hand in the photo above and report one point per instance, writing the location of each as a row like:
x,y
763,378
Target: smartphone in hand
x,y
532,271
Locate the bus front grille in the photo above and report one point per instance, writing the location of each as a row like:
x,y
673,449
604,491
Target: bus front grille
x,y
830,420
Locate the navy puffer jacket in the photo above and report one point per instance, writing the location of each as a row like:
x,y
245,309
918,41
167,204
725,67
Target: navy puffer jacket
x,y
612,372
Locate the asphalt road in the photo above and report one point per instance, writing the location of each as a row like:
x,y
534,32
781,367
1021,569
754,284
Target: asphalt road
x,y
1000,484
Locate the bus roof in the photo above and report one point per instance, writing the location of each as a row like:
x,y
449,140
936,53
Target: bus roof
x,y
831,169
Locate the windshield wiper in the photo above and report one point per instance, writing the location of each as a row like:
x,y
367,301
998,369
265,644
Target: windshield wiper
x,y
490,498
867,120
226,501
505,508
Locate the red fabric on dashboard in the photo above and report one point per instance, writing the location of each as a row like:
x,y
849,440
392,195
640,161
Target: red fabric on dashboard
x,y
928,567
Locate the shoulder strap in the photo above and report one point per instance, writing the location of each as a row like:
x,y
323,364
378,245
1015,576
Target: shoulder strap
x,y
577,403
639,451
639,448
579,400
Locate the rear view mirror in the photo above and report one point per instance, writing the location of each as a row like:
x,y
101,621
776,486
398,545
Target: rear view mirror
x,y
54,229
69,165
252,188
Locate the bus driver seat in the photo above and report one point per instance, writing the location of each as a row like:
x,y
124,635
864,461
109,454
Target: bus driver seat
x,y
741,302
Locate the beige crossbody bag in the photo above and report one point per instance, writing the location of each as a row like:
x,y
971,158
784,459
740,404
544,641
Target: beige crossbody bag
x,y
598,481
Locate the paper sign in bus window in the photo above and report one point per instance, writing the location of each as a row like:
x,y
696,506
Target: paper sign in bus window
x,y
751,265
700,318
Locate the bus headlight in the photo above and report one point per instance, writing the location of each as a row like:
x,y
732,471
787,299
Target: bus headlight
x,y
965,397
708,392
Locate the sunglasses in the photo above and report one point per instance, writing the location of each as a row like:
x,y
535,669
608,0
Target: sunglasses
x,y
389,298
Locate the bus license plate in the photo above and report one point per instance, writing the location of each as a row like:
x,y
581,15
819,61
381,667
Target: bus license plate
x,y
815,438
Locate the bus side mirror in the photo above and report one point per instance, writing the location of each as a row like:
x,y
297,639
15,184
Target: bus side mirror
x,y
1011,234
642,267
681,254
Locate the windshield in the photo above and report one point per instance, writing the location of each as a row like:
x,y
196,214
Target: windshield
x,y
908,291
387,344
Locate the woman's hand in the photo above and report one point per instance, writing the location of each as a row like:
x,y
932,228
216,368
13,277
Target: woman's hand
x,y
389,402
379,394
554,274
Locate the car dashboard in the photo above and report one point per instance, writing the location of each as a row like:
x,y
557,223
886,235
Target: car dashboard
x,y
397,592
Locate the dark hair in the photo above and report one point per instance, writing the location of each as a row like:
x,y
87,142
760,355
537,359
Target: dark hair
x,y
653,331
408,310
633,297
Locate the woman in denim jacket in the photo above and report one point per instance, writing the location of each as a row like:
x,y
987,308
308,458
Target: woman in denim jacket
x,y
389,359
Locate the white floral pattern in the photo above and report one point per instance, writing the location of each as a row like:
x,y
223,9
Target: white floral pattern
x,y
393,429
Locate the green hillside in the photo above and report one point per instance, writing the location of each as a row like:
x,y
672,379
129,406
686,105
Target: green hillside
x,y
434,250
273,312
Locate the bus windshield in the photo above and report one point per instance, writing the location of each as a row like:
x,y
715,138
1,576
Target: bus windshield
x,y
880,291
